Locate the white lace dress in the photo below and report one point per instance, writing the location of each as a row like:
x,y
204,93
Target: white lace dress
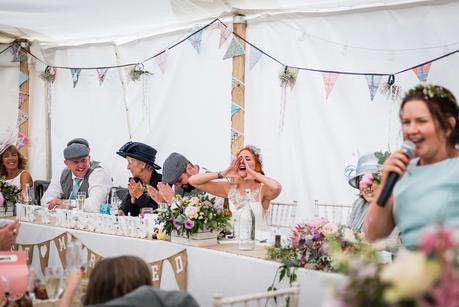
x,y
236,201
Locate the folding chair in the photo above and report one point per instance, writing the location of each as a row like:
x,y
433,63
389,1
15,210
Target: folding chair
x,y
335,213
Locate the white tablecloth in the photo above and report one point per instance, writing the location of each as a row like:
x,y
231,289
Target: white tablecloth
x,y
209,271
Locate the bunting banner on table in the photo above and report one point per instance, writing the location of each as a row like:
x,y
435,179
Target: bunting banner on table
x,y
329,82
195,41
224,34
373,84
28,248
22,78
234,108
422,72
235,135
93,258
75,75
234,49
61,246
102,73
43,253
254,57
22,117
156,271
22,140
22,98
161,61
179,263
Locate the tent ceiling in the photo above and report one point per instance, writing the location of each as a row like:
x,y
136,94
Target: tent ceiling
x,y
86,21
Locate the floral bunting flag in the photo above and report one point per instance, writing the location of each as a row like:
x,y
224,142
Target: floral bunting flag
x,y
235,135
75,75
254,57
18,55
22,78
22,97
234,108
22,140
234,49
329,82
43,253
373,84
28,248
179,263
156,270
422,72
101,73
161,61
195,41
224,33
22,117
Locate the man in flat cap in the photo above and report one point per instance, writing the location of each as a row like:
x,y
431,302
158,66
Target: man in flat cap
x,y
80,175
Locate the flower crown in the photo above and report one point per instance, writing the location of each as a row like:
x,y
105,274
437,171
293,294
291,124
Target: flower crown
x,y
256,151
431,91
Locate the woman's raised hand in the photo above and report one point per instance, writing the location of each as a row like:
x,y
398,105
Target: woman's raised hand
x,y
397,163
154,194
231,170
251,174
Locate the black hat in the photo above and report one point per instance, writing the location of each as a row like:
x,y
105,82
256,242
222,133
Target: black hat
x,y
139,151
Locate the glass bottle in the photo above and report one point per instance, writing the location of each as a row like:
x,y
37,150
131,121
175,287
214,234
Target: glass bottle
x,y
247,224
28,195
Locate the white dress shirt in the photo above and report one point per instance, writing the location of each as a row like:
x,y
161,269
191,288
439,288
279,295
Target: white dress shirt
x,y
100,183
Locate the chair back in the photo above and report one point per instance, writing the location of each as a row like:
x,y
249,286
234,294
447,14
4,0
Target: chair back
x,y
282,214
281,297
335,213
39,188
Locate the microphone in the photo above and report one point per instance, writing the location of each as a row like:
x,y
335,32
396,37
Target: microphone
x,y
408,148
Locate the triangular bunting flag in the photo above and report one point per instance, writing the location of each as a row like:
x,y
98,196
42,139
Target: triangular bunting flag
x,y
234,49
156,270
22,140
373,84
235,135
61,246
22,117
28,248
93,258
75,75
224,33
161,60
422,72
43,253
179,263
18,55
22,97
234,108
254,57
101,72
195,41
329,82
22,78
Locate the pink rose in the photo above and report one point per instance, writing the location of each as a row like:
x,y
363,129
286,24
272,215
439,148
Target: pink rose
x,y
329,229
366,181
191,212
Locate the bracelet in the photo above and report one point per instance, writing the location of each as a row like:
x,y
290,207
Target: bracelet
x,y
220,176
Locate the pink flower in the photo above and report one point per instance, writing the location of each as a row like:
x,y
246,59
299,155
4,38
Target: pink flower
x,y
189,224
437,237
366,181
329,229
317,223
2,199
191,212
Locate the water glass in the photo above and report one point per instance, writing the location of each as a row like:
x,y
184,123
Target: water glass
x,y
53,277
81,197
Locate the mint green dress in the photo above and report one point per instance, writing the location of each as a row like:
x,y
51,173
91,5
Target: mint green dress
x,y
426,195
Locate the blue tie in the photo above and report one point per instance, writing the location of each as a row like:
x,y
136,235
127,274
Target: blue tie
x,y
76,187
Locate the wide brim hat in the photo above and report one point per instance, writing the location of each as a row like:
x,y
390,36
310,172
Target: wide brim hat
x,y
174,166
139,151
367,164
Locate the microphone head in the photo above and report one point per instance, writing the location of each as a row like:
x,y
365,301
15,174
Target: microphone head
x,y
409,148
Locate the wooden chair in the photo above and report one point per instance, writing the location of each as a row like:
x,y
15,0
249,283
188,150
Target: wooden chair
x,y
282,214
335,213
262,298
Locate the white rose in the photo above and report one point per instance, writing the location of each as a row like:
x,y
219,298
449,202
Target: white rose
x,y
349,236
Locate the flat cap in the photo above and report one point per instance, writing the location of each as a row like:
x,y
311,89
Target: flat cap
x,y
174,167
76,151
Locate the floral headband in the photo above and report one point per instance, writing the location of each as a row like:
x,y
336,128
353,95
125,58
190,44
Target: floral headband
x,y
8,138
431,91
256,151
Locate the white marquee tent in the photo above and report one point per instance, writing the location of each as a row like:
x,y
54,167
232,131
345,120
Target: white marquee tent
x,y
187,108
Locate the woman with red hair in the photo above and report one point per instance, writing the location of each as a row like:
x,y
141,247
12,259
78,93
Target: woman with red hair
x,y
245,173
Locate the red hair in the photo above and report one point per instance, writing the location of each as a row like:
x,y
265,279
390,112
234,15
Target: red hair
x,y
256,156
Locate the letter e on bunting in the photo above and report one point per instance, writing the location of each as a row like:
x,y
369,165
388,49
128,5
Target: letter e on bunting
x,y
156,271
179,263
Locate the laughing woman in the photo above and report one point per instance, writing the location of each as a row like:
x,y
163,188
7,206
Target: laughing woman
x,y
428,190
12,168
245,173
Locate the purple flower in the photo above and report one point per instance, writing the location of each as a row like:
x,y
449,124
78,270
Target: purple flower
x,y
218,206
177,223
207,203
189,224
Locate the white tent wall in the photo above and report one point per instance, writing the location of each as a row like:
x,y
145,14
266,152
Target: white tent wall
x,y
9,80
322,136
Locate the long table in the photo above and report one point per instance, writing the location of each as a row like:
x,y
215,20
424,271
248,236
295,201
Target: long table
x,y
210,270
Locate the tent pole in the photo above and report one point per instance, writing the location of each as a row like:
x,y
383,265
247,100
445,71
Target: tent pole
x,y
24,91
238,91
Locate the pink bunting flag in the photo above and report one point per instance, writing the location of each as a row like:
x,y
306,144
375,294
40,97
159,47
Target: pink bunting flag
x,y
22,140
329,82
422,72
161,61
22,97
224,33
102,73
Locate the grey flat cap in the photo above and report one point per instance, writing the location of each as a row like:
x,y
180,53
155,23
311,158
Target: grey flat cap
x,y
173,167
78,141
76,151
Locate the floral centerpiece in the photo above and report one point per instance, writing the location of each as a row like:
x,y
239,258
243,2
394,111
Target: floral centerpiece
x,y
190,215
428,277
8,193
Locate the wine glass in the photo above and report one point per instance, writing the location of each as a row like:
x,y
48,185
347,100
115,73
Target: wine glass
x,y
81,197
53,277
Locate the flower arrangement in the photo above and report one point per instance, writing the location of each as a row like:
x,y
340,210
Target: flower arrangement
x,y
189,215
288,76
138,71
428,277
8,193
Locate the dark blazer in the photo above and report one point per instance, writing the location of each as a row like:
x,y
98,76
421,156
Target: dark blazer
x,y
143,201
